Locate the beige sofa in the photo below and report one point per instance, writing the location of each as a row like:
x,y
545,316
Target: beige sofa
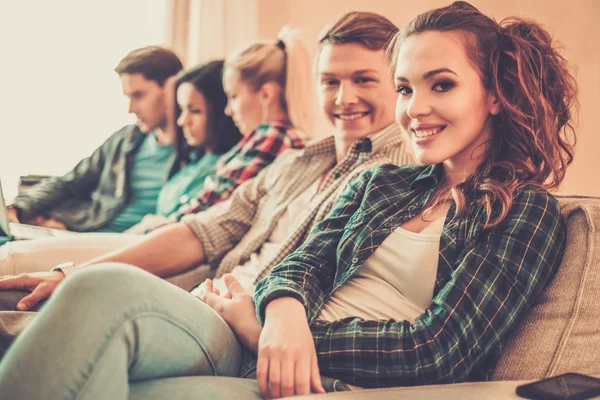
x,y
560,333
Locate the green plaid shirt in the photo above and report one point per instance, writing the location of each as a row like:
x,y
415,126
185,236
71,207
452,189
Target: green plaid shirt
x,y
485,281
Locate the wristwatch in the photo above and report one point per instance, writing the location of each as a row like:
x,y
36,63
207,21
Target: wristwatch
x,y
65,268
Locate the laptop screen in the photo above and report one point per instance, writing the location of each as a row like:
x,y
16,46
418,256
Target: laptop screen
x,y
4,230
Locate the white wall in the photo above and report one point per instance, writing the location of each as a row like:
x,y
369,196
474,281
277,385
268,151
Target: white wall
x,y
59,95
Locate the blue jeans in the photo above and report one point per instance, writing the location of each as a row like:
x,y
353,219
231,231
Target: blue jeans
x,y
113,324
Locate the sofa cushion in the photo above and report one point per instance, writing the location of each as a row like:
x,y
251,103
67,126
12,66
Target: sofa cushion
x,y
561,332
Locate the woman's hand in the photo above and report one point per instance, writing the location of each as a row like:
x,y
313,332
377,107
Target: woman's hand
x,y
236,307
287,359
40,284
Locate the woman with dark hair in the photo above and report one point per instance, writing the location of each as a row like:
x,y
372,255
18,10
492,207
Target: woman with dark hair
x,y
203,133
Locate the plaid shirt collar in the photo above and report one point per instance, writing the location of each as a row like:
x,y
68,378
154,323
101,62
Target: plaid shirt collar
x,y
388,136
434,172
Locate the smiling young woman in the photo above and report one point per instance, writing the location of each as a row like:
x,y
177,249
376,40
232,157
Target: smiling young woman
x,y
488,110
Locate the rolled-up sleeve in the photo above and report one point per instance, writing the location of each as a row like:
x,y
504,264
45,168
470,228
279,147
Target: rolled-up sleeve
x,y
222,226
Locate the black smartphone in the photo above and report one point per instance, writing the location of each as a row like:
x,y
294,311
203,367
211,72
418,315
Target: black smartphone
x,y
570,386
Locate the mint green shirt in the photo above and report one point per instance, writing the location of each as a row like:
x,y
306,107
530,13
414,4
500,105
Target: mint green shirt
x,y
183,186
147,179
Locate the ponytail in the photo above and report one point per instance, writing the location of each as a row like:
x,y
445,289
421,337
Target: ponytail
x,y
285,61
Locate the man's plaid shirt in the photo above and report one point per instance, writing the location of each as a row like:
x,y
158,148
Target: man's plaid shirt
x,y
234,229
486,279
242,162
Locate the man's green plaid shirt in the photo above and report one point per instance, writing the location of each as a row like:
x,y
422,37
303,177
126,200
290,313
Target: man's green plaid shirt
x,y
486,279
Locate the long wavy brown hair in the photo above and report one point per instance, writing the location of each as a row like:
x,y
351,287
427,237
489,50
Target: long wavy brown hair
x,y
533,136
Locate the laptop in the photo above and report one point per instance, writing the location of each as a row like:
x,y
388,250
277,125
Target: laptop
x,y
15,231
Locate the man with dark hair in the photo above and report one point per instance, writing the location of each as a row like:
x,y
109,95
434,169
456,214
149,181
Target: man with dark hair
x,y
155,63
117,185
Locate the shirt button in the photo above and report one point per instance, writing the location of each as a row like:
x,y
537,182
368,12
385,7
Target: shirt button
x,y
387,224
355,260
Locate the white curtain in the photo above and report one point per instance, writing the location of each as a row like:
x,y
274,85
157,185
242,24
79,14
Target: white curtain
x,y
202,30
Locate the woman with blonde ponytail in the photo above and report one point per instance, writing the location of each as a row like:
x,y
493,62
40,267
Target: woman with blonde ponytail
x,y
276,76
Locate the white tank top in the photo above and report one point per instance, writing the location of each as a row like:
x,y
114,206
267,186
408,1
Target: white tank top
x,y
396,282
